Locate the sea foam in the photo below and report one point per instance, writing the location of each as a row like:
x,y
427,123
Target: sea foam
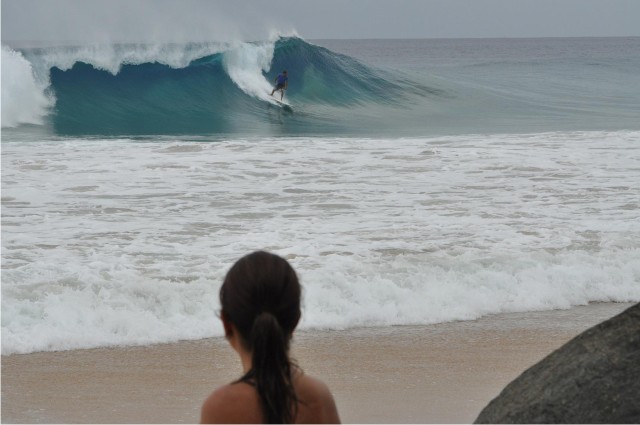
x,y
118,242
246,65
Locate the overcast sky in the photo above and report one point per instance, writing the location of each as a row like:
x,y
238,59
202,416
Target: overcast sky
x,y
210,20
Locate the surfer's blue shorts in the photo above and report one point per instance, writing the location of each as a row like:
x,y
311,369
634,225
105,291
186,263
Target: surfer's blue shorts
x,y
280,86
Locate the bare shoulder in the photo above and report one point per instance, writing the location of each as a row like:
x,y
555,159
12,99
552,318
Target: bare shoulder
x,y
307,384
316,401
232,403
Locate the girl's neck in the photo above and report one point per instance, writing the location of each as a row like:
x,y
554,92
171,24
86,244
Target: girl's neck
x,y
245,359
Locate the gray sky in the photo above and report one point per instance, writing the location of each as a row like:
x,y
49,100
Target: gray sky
x,y
210,20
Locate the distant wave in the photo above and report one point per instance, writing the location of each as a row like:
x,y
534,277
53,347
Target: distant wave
x,y
193,88
223,88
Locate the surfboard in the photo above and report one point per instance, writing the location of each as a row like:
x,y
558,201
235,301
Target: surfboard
x,y
284,105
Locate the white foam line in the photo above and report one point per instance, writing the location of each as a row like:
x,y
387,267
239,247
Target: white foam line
x,y
115,242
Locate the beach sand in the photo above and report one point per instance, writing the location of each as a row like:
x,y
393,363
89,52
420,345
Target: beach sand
x,y
443,373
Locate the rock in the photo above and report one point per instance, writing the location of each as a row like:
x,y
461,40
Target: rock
x,y
594,378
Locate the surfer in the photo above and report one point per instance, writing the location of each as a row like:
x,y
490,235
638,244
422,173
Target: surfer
x,y
282,82
260,309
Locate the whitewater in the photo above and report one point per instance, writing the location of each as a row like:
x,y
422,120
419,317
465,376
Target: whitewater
x,y
443,180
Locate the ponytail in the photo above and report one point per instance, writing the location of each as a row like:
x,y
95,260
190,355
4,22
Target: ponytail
x,y
272,370
261,297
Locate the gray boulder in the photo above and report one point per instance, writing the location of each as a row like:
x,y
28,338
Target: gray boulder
x,y
594,378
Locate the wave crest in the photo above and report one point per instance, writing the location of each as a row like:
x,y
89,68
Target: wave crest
x,y
203,88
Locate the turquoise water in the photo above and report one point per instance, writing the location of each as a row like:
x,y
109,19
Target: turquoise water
x,y
345,87
517,85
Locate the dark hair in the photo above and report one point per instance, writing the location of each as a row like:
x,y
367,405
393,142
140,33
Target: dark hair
x,y
261,297
284,72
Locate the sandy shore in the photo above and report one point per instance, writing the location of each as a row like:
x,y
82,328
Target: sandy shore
x,y
444,373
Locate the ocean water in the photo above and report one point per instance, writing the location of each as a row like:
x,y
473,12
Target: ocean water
x,y
413,182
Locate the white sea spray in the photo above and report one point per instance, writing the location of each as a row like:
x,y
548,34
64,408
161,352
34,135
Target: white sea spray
x,y
120,242
23,98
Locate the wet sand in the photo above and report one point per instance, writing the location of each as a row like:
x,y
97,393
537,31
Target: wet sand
x,y
442,373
